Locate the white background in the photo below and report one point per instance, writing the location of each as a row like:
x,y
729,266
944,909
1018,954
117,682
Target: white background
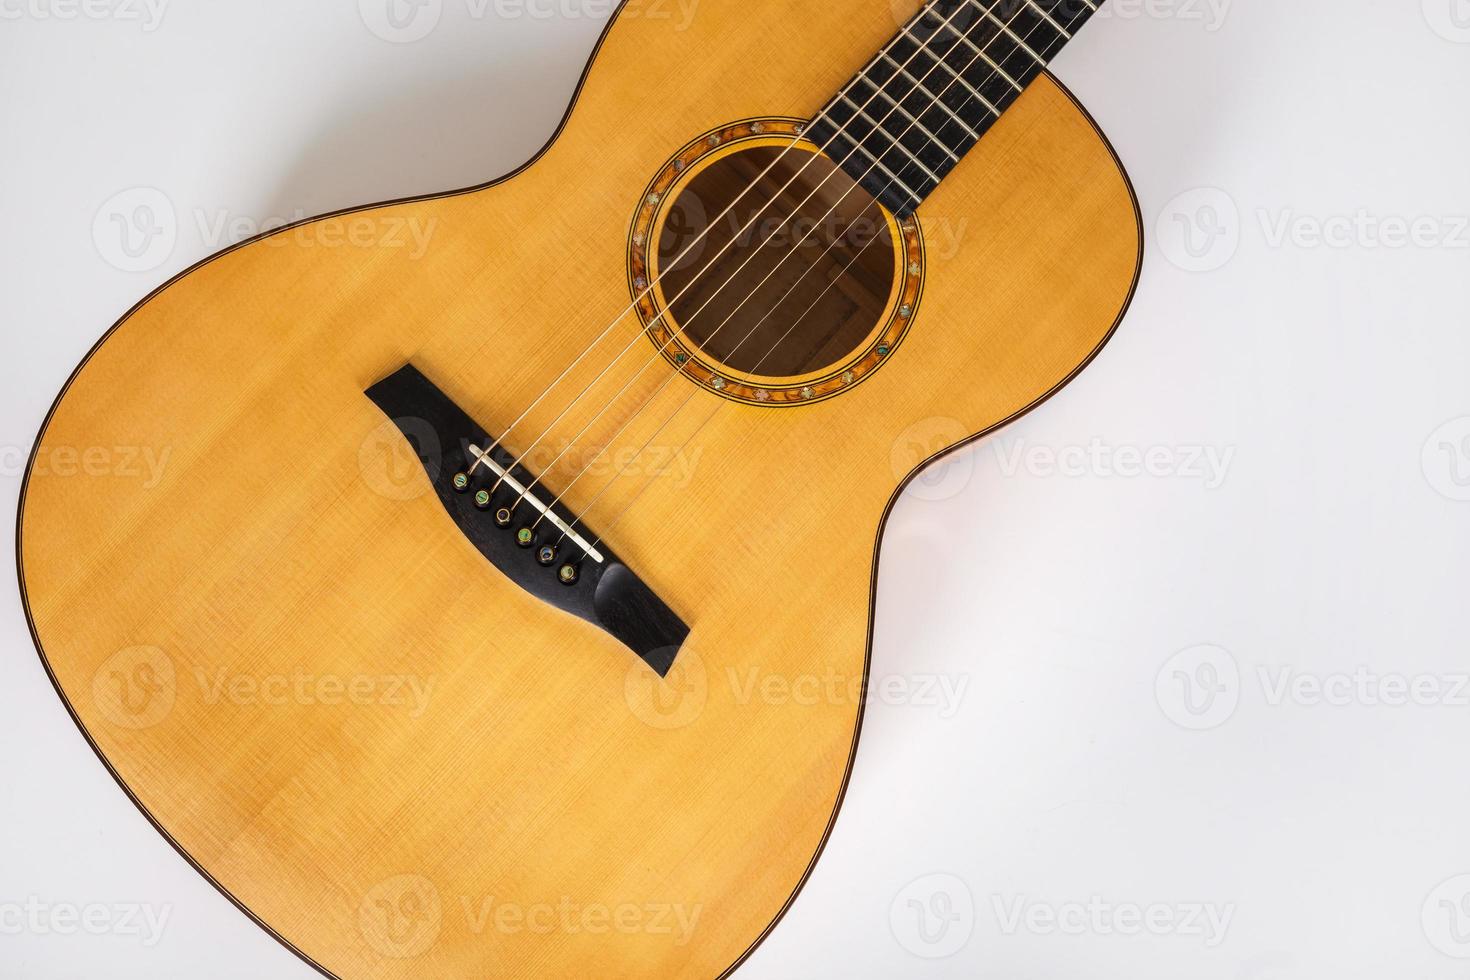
x,y
1292,368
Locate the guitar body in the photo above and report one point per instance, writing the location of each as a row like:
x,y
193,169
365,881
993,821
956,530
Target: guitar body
x,y
376,744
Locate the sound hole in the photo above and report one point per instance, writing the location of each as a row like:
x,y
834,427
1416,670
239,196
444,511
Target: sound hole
x,y
806,272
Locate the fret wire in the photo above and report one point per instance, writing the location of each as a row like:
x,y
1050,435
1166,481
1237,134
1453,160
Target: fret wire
x,y
894,144
878,127
899,104
1005,29
965,38
1049,19
941,63
882,53
918,198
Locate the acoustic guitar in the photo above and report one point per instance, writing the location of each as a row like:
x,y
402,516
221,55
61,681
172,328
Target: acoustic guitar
x,y
502,600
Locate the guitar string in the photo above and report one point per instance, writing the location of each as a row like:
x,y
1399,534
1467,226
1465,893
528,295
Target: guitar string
x,y
1089,7
841,130
755,291
922,46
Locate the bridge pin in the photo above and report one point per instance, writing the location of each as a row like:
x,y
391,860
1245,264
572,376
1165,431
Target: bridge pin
x,y
461,482
502,517
525,537
546,554
567,574
482,499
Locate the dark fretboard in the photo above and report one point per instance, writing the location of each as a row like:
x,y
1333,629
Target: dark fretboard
x,y
908,118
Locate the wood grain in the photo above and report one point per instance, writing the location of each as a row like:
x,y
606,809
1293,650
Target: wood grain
x,y
240,630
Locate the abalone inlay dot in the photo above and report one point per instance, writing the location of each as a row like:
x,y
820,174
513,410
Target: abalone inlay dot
x,y
720,379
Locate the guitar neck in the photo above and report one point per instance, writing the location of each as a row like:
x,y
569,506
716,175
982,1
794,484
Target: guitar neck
x,y
908,118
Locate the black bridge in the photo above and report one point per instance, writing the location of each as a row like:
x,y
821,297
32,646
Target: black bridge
x,y
556,560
